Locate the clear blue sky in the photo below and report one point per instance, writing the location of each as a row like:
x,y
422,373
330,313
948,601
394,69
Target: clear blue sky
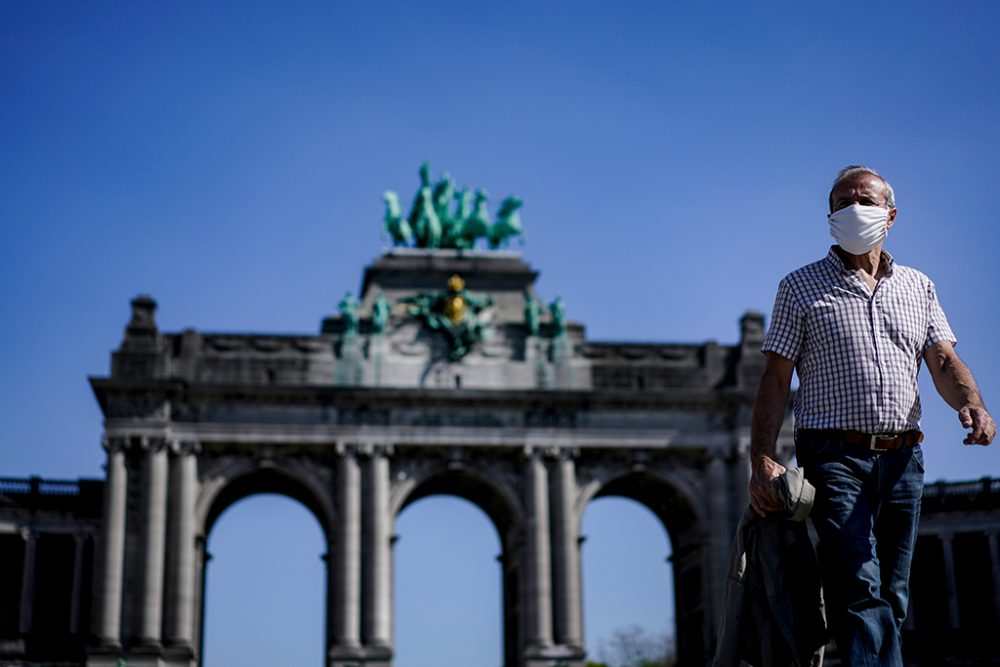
x,y
674,159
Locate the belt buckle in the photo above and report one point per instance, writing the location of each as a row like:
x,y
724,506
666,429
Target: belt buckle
x,y
875,438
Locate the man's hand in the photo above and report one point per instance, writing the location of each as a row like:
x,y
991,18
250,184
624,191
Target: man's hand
x,y
765,470
978,419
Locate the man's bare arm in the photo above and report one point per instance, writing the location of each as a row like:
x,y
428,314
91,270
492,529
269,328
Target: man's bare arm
x,y
768,416
954,381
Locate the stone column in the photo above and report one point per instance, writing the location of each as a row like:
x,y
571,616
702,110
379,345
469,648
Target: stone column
x,y
566,553
202,558
107,624
743,471
27,607
153,540
995,570
950,585
76,597
345,565
537,588
181,580
377,554
718,506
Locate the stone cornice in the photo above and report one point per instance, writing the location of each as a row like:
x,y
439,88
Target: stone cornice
x,y
178,392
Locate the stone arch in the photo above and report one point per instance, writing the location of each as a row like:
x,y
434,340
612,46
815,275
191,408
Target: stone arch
x,y
673,497
229,481
264,581
494,498
247,477
501,504
670,494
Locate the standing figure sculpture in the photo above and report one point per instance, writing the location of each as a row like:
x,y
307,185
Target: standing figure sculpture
x,y
558,310
380,313
348,308
532,313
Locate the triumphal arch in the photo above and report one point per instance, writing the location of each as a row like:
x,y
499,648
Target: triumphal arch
x,y
449,375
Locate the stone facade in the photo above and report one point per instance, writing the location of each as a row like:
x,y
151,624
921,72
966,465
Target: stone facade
x,y
357,422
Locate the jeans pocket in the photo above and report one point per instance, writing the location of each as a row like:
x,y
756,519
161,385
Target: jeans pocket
x,y
917,457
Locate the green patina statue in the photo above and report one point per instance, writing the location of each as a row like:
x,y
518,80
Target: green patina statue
x,y
558,310
424,220
532,313
508,222
380,313
394,223
444,217
455,312
348,308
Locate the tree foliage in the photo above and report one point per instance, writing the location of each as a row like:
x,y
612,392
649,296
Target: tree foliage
x,y
634,646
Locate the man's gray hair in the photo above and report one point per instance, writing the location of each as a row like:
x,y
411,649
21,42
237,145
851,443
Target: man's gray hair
x,y
855,169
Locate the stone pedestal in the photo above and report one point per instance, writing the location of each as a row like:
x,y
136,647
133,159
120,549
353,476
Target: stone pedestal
x,y
359,657
554,656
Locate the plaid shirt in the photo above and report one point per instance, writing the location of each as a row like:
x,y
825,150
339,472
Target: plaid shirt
x,y
857,351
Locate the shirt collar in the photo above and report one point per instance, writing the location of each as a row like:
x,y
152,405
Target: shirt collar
x,y
834,260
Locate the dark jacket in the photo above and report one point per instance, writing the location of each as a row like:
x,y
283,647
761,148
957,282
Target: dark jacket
x,y
773,608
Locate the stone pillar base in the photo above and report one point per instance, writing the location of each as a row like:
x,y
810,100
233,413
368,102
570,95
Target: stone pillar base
x,y
170,657
359,656
554,656
179,654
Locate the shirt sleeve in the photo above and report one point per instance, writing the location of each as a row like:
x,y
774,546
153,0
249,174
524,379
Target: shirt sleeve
x,y
784,335
937,324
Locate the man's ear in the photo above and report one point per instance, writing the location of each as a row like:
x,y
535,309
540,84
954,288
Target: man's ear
x,y
892,217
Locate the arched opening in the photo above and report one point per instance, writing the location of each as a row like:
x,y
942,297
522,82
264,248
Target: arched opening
x,y
454,582
628,584
643,573
448,585
264,575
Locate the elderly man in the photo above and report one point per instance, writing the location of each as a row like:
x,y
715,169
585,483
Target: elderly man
x,y
855,327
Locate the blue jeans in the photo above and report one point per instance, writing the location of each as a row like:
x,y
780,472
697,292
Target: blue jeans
x,y
866,513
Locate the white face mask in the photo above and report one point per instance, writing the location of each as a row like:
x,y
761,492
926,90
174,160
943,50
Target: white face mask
x,y
858,228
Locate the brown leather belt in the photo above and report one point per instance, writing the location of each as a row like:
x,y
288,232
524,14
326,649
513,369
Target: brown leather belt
x,y
876,442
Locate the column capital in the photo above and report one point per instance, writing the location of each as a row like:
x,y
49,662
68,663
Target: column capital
x,y
558,453
115,444
153,443
533,453
184,447
346,449
374,450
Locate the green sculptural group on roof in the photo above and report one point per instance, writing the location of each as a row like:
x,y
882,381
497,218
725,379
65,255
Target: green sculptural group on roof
x,y
443,216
